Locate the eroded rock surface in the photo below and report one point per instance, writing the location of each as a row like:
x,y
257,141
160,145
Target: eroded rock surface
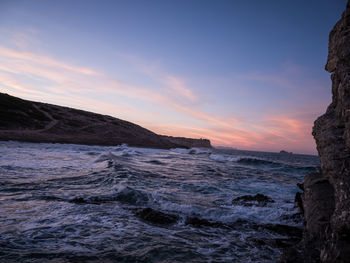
x,y
326,198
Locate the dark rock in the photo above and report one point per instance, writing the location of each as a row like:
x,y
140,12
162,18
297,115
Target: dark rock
x,y
156,217
296,218
285,242
301,186
284,230
189,143
292,237
292,255
81,200
285,152
252,200
258,162
78,200
131,196
318,203
23,120
326,198
274,242
298,201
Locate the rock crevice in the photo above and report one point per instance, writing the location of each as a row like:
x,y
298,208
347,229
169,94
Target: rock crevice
x,y
326,198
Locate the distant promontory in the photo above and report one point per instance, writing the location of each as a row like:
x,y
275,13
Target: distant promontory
x,y
30,121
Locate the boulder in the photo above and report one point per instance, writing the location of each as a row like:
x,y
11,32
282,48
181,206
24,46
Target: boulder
x,y
252,200
156,217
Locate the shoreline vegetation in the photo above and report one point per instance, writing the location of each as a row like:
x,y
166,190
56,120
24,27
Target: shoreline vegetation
x,y
29,121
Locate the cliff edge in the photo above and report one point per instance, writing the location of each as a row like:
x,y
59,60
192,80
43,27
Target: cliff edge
x,y
326,198
30,121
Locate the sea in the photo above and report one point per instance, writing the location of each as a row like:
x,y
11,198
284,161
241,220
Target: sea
x,y
76,203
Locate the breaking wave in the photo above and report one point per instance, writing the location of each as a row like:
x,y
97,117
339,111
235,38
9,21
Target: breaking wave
x,y
75,203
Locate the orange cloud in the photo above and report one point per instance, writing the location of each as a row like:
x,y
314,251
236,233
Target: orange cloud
x,y
41,77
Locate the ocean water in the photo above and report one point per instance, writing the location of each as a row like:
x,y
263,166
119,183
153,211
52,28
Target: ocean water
x,y
75,203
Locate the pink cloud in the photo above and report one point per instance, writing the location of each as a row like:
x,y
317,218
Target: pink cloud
x,y
75,86
179,88
44,60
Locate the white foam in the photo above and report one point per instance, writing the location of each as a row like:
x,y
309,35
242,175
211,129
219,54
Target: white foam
x,y
195,151
107,156
200,151
180,150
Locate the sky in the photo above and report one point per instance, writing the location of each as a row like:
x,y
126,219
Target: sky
x,y
247,74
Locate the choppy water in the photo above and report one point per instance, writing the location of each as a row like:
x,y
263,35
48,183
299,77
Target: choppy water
x,y
74,203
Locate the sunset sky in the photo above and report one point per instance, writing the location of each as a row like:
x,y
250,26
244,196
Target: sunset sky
x,y
243,73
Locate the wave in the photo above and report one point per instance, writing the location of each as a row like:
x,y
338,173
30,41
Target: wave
x,y
196,151
114,155
256,161
131,196
260,162
109,156
157,162
126,195
223,214
281,166
224,158
229,213
243,160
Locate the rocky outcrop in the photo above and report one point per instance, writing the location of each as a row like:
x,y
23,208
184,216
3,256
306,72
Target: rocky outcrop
x,y
156,217
189,143
24,120
326,198
252,200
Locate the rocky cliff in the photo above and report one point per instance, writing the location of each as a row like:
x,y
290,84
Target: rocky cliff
x,y
188,142
326,198
24,120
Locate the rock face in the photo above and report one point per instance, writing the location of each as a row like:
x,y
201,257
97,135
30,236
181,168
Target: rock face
x,y
252,200
326,198
30,121
189,143
156,217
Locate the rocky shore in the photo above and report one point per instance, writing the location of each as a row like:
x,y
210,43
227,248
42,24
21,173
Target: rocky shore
x,y
23,120
326,197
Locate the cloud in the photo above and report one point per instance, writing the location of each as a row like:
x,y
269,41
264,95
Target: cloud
x,y
178,87
172,86
36,76
44,61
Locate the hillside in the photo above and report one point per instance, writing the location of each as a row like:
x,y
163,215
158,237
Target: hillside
x,y
24,120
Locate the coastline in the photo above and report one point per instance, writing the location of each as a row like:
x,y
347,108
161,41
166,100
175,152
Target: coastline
x,y
29,121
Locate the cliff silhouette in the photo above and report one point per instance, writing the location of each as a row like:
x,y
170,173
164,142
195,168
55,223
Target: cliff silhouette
x,y
30,121
326,197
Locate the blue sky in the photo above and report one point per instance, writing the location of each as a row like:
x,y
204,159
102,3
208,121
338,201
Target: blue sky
x,y
246,74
